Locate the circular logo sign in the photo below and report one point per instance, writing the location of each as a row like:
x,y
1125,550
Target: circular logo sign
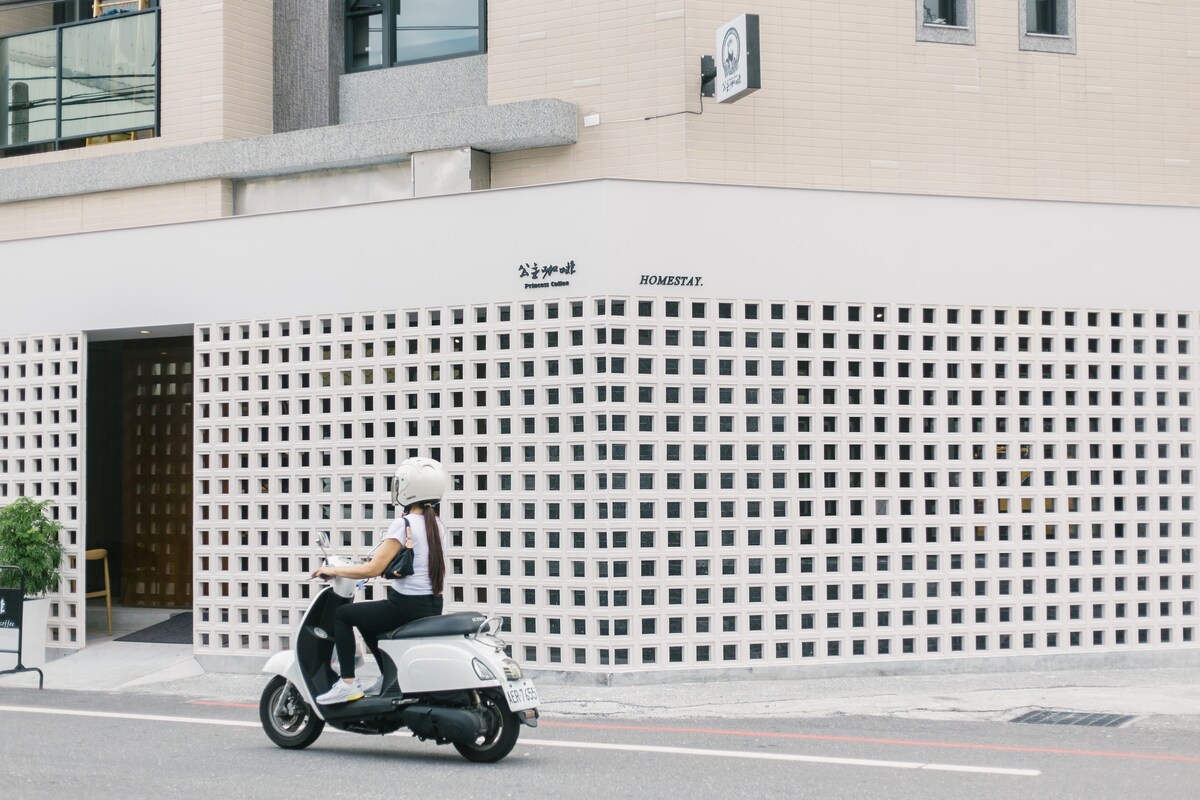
x,y
731,52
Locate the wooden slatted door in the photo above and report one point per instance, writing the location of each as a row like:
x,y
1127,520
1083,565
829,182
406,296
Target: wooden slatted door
x,y
157,474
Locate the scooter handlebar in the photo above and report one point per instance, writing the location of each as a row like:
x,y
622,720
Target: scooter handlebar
x,y
345,587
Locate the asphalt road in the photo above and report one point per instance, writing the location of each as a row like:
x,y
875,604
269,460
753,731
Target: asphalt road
x,y
82,745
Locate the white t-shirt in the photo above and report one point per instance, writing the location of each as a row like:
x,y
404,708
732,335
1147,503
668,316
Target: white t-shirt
x,y
419,582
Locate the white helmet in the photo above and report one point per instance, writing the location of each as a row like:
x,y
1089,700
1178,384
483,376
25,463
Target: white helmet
x,y
418,480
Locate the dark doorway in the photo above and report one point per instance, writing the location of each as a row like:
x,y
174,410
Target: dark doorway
x,y
139,462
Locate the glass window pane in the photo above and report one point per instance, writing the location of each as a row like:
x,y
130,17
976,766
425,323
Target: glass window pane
x,y
940,12
366,41
109,75
414,45
427,29
1042,16
29,88
72,11
437,13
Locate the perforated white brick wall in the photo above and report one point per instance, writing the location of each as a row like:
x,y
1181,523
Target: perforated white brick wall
x,y
41,404
644,483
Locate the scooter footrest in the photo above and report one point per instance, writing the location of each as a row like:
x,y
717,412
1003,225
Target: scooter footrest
x,y
359,709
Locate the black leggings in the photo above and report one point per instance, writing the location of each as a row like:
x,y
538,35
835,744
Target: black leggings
x,y
376,617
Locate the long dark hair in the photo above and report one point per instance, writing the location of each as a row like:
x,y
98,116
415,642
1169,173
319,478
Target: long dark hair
x,y
433,534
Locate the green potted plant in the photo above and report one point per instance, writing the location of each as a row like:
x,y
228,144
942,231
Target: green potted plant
x,y
29,540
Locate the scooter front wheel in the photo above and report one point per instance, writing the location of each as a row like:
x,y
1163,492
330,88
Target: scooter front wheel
x,y
287,720
499,739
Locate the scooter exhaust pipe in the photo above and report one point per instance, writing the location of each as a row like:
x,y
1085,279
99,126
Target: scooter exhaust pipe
x,y
451,724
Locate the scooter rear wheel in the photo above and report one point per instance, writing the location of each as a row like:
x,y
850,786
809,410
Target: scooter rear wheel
x,y
502,732
287,720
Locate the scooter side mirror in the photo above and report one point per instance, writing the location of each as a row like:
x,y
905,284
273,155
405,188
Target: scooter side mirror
x,y
323,543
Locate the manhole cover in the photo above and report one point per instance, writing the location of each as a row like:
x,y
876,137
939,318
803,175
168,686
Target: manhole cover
x,y
1087,720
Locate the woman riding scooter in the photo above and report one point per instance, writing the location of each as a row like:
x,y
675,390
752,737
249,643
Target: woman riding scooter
x,y
419,484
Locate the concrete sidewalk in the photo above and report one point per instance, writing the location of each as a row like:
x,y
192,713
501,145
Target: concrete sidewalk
x,y
1160,696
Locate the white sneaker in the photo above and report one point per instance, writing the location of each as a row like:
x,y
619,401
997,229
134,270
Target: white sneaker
x,y
374,688
340,692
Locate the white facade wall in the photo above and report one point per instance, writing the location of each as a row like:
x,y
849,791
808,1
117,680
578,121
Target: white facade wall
x,y
642,482
912,448
41,456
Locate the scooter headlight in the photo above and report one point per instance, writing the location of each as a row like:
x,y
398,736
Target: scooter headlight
x,y
482,670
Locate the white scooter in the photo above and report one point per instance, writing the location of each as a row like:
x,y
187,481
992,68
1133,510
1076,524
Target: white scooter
x,y
445,678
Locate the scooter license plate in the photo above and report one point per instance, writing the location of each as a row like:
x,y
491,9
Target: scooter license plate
x,y
521,695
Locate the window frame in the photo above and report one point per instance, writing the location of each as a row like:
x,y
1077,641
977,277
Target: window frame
x,y
963,32
388,40
59,141
1063,43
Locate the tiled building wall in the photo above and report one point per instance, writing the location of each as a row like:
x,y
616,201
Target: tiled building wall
x,y
216,77
152,205
852,100
624,61
247,68
41,451
14,20
647,483
216,83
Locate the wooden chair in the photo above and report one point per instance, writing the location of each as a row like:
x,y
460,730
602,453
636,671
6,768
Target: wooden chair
x,y
99,6
100,554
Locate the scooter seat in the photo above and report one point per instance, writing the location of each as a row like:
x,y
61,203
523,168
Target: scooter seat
x,y
459,624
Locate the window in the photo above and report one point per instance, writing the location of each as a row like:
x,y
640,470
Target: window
x,y
1042,17
1047,26
86,81
946,21
416,31
941,12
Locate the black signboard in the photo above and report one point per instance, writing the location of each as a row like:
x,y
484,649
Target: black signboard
x,y
11,603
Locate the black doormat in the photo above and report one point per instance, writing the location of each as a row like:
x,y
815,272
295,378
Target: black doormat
x,y
176,630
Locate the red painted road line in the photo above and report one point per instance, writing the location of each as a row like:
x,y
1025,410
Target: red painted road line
x,y
824,738
868,740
